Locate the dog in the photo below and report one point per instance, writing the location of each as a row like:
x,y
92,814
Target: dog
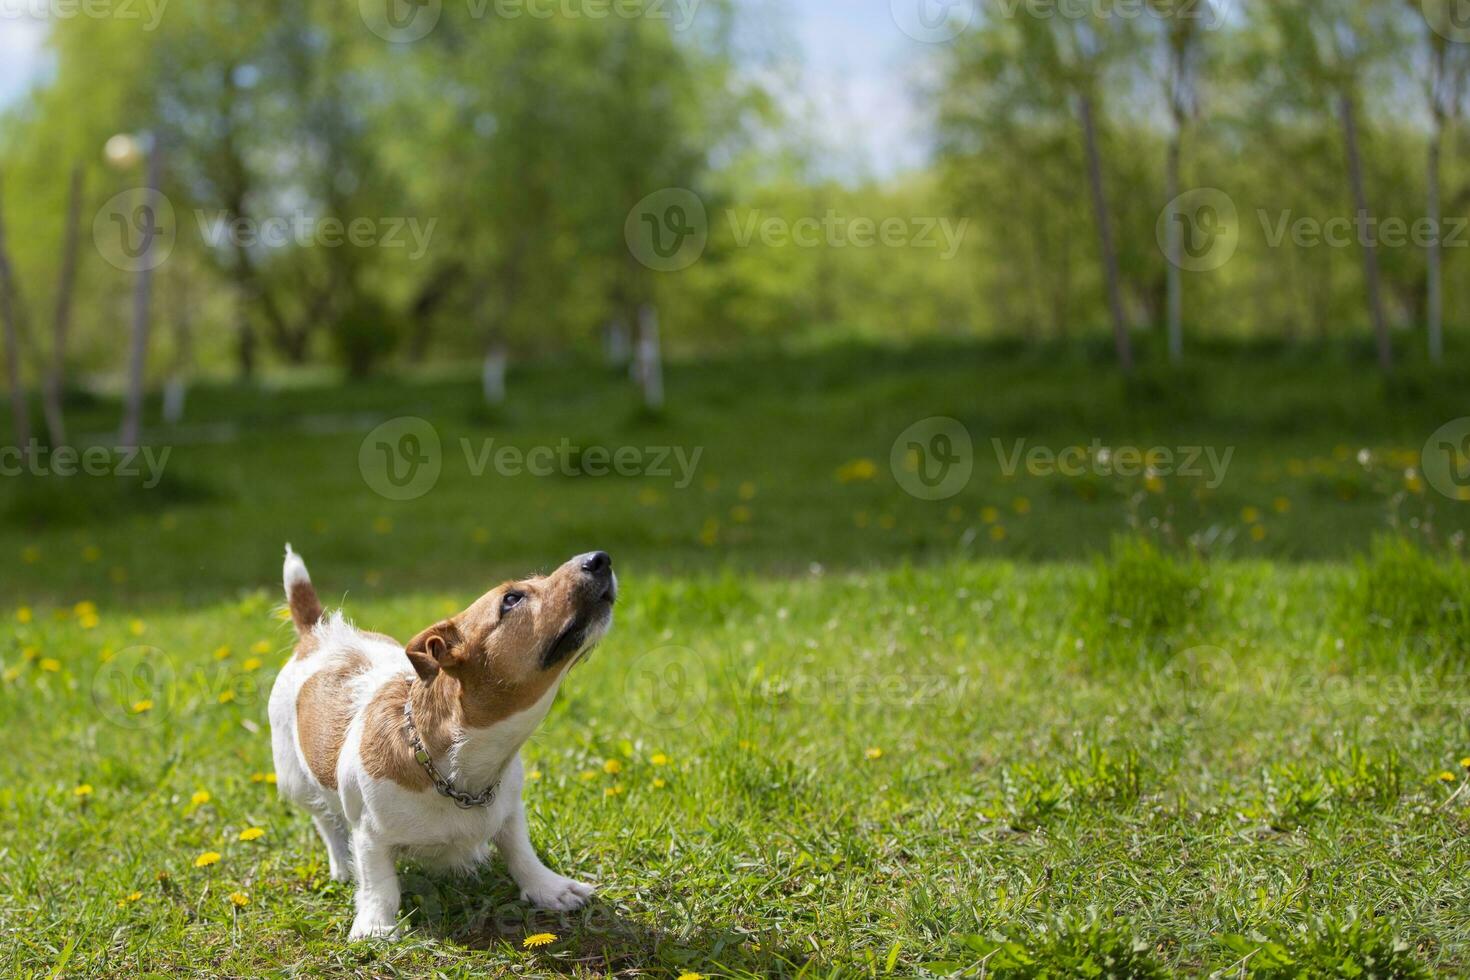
x,y
414,750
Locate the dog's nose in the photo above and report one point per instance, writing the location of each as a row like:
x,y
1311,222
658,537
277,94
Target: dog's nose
x,y
597,563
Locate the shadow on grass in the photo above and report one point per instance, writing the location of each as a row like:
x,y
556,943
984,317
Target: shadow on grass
x,y
483,913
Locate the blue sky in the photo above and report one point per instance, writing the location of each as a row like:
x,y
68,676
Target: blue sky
x,y
856,97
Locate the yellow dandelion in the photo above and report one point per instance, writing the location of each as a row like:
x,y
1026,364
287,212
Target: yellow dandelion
x,y
252,664
740,514
1281,505
260,647
534,775
659,759
998,533
206,859
139,707
200,797
990,514
1465,762
709,534
91,553
270,778
168,522
239,899
89,622
257,777
106,654
30,554
691,976
225,697
1412,481
857,471
538,940
82,791
252,833
887,522
1153,483
1251,515
50,664
29,653
659,783
1021,505
612,767
1258,532
615,789
649,497
382,526
480,535
11,673
955,514
1447,777
746,744
747,490
874,753
23,615
588,775
134,896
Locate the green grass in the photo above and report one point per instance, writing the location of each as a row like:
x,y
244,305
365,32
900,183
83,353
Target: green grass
x,y
1125,737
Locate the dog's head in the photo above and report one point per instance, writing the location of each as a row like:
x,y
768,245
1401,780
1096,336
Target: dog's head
x,y
515,641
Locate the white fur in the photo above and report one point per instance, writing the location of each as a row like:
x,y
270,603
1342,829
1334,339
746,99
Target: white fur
x,y
366,822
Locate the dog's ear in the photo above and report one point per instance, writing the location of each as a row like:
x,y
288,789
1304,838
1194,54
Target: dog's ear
x,y
435,649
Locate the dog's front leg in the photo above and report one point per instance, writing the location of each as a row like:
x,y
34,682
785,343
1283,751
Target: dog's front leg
x,y
377,888
539,885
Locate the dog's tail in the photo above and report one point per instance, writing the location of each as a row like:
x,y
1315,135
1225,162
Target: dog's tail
x,y
306,609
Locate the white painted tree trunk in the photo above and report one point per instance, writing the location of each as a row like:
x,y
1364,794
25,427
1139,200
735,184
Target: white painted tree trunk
x,y
175,392
132,423
650,358
492,375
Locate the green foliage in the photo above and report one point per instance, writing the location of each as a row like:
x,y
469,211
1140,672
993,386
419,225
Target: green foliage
x,y
1142,594
1401,588
364,334
1071,947
1348,947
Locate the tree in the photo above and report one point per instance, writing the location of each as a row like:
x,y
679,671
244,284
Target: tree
x,y
1183,23
11,322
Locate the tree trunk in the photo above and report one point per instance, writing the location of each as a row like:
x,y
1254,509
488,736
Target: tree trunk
x,y
492,374
132,425
1105,234
51,393
1434,312
1371,272
650,358
20,409
1176,257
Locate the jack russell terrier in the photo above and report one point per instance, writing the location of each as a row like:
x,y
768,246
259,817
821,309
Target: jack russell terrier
x,y
416,750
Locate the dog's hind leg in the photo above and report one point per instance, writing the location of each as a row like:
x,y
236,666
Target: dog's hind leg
x,y
339,856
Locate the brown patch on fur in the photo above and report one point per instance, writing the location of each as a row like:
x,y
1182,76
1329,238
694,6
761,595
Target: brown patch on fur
x,y
306,608
306,645
324,713
385,751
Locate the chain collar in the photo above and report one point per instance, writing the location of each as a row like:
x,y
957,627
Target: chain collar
x,y
465,801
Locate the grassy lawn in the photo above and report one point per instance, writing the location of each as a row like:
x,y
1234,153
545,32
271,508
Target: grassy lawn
x,y
837,728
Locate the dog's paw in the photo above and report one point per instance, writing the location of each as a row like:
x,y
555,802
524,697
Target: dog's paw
x,y
558,893
372,929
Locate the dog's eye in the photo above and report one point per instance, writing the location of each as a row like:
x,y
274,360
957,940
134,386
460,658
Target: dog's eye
x,y
511,600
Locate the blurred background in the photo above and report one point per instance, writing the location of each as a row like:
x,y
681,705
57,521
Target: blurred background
x,y
779,234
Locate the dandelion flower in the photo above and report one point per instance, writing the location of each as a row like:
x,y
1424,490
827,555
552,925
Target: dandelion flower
x,y
857,471
1251,515
200,797
50,664
612,767
989,514
252,664
747,490
997,533
251,833
740,514
222,653
709,534
616,789
1281,505
30,554
139,707
257,777
1447,777
225,697
82,791
691,976
239,899
206,859
887,522
91,553
480,535
260,647
1258,532
534,775
659,759
1153,483
874,753
589,775
538,940
659,783
270,778
137,627
29,654
1465,762
1021,505
11,673
23,615
382,526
